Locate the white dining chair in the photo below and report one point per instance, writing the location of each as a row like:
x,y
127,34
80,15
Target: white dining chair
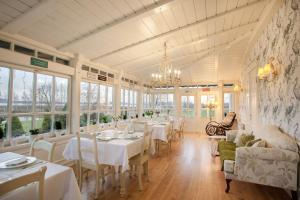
x,y
92,165
139,126
16,183
170,136
140,161
42,145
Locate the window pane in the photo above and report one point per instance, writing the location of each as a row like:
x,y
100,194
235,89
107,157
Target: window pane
x,y
122,98
126,93
228,103
184,102
43,93
191,102
83,119
60,122
4,82
22,91
93,96
102,96
43,122
21,125
93,118
3,126
110,97
134,98
61,94
84,88
131,101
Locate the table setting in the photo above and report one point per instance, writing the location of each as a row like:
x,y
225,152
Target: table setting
x,y
60,181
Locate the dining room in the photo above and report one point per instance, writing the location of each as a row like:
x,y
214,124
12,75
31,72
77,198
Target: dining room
x,y
149,99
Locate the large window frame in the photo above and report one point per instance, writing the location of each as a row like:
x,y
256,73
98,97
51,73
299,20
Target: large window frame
x,y
228,103
147,102
188,106
164,103
128,102
205,112
98,107
33,114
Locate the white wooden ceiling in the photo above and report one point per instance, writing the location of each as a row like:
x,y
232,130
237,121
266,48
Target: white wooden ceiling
x,y
205,38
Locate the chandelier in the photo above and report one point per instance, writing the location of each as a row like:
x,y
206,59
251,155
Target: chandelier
x,y
166,76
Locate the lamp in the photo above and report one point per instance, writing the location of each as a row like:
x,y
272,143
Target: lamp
x,y
269,71
237,88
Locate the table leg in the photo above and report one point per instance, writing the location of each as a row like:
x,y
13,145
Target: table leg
x,y
123,186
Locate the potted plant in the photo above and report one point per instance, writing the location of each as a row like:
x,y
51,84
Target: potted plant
x,y
34,133
58,128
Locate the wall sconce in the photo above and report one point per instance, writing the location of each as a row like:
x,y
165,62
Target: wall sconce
x,y
237,88
269,71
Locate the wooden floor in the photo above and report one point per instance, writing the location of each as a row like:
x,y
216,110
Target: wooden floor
x,y
188,172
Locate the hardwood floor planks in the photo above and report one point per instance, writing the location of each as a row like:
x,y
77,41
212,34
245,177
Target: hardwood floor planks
x,y
187,173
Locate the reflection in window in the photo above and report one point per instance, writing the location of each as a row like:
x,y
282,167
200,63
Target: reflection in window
x,y
228,103
43,122
93,96
20,125
4,82
22,91
60,122
3,126
84,90
205,112
83,119
188,106
61,94
43,93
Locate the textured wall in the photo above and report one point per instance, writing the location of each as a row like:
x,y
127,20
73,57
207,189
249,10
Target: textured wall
x,y
279,100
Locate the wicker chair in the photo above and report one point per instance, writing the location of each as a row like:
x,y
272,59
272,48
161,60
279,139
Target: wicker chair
x,y
215,128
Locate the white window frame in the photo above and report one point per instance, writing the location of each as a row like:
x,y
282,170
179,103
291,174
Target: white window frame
x,y
33,114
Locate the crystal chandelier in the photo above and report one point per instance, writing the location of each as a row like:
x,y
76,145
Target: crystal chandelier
x,y
166,76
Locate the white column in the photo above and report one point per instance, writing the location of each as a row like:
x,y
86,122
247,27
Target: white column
x,y
140,101
118,94
75,98
177,101
219,114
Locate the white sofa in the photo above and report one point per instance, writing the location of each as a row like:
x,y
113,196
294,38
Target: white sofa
x,y
275,165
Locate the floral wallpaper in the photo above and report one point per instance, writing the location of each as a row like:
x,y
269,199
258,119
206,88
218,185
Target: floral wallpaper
x,y
279,100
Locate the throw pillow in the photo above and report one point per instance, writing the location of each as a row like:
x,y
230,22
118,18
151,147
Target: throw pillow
x,y
246,138
252,142
262,143
238,136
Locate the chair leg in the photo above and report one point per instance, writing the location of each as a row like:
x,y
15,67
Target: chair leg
x,y
130,171
227,185
294,195
80,176
97,184
139,168
113,176
102,175
146,172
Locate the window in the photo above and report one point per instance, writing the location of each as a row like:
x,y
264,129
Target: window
x,y
204,110
164,103
228,103
22,91
4,83
128,103
188,106
146,102
37,101
96,103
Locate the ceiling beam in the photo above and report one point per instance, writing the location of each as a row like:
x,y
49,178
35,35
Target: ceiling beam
x,y
222,49
116,22
179,28
193,42
30,17
215,49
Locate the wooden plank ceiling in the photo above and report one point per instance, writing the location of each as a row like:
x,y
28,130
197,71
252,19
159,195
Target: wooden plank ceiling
x,y
202,35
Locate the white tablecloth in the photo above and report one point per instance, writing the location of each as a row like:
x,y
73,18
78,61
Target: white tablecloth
x,y
60,181
160,131
116,152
